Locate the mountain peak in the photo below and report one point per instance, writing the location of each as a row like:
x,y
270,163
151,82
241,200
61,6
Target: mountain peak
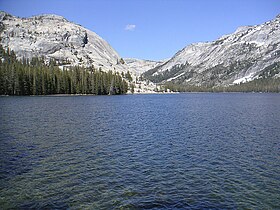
x,y
238,57
53,37
49,16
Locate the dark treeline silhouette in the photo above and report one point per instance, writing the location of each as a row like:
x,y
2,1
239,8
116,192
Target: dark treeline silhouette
x,y
24,77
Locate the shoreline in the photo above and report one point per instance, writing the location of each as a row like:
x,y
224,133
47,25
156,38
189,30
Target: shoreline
x,y
142,93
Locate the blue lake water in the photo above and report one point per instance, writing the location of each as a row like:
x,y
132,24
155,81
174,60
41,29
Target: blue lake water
x,y
178,151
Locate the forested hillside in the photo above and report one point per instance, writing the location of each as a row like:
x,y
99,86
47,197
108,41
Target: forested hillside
x,y
257,85
36,78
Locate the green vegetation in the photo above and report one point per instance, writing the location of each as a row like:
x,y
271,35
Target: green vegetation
x,y
131,87
212,79
257,85
128,76
36,78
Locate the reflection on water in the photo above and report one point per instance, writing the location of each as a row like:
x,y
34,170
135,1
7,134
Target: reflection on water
x,y
182,151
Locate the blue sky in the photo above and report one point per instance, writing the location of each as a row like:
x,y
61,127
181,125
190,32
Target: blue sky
x,y
152,29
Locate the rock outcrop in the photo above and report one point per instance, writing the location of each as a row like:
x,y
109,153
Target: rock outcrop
x,y
234,58
52,36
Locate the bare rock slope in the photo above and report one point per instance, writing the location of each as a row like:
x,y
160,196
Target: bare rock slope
x,y
52,36
234,58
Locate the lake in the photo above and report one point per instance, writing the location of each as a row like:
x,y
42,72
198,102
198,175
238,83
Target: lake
x,y
177,151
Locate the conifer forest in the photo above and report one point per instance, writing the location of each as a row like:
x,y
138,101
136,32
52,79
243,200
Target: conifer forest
x,y
34,77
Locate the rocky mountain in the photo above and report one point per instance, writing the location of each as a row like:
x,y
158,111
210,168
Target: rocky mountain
x,y
247,54
52,36
139,66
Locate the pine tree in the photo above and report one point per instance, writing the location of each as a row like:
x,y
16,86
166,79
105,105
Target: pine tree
x,y
36,78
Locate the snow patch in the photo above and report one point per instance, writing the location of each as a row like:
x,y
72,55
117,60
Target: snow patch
x,y
170,79
247,78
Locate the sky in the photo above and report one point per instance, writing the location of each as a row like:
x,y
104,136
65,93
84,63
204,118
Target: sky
x,y
152,29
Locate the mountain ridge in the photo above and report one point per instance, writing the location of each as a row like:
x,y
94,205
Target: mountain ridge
x,y
231,59
234,58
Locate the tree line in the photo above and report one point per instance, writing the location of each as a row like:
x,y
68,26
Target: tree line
x,y
271,84
267,81
34,77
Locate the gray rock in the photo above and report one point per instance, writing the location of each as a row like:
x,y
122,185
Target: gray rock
x,y
234,58
52,36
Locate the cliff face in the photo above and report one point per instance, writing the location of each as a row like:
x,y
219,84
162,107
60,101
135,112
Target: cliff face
x,y
238,57
53,36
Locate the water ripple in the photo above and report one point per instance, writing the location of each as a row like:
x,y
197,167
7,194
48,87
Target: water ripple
x,y
185,151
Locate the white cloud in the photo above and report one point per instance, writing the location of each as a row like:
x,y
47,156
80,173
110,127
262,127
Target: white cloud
x,y
130,27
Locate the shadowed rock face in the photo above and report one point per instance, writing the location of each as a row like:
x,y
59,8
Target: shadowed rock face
x,y
52,36
234,58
